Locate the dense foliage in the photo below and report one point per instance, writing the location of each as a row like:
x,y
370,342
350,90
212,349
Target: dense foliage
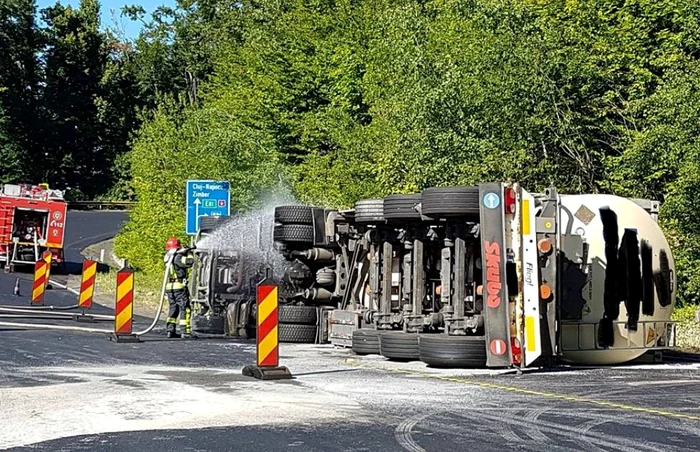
x,y
347,99
68,101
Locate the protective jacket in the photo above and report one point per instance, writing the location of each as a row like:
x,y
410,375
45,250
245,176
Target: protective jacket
x,y
182,262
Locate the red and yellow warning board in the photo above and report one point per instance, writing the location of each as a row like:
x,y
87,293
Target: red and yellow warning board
x,y
267,335
87,284
123,312
39,286
47,257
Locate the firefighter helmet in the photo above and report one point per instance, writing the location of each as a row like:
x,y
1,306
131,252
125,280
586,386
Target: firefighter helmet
x,y
173,243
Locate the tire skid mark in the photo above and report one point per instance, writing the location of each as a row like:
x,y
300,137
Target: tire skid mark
x,y
531,392
574,433
506,430
403,433
585,429
534,432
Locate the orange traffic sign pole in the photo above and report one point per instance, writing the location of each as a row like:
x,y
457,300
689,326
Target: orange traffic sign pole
x,y
124,307
39,286
267,338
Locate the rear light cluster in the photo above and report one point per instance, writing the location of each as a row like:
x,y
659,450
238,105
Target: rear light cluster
x,y
517,350
509,204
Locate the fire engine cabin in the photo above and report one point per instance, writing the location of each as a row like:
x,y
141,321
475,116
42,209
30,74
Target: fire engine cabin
x,y
32,220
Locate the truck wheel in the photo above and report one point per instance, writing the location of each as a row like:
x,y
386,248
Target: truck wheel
x,y
365,342
305,334
444,202
402,207
294,215
369,211
399,346
439,350
211,223
303,315
298,233
208,324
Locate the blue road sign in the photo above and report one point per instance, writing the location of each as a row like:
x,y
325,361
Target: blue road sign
x,y
206,198
492,200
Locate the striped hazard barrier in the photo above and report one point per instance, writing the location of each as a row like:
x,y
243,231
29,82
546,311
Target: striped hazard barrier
x,y
39,286
267,351
124,307
47,257
87,284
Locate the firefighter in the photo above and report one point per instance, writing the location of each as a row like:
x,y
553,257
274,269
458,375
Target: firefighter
x,y
176,288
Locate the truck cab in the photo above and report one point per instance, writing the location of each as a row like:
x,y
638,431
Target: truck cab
x,y
223,282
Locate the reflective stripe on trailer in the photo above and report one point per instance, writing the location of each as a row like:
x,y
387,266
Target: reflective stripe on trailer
x,y
530,267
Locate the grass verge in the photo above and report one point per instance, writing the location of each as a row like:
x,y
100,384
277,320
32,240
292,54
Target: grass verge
x,y
146,288
687,331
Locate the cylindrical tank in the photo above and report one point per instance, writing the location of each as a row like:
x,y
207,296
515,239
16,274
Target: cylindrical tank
x,y
581,215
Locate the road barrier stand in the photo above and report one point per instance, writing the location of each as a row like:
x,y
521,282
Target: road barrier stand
x,y
47,257
267,367
87,289
39,286
124,308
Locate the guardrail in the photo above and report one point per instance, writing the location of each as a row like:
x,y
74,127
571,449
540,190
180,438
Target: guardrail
x,y
99,205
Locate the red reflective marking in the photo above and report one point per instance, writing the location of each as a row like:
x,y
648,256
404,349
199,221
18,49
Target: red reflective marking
x,y
272,359
126,328
267,325
85,285
124,302
263,292
498,347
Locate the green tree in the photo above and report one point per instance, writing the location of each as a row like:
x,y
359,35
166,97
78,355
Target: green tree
x,y
19,83
177,145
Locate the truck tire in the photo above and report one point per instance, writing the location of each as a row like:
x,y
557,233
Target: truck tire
x,y
211,223
399,346
369,211
365,342
294,215
443,202
297,233
208,324
402,207
302,315
439,350
301,334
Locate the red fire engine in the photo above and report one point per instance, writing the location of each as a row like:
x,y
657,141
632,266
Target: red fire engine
x,y
32,220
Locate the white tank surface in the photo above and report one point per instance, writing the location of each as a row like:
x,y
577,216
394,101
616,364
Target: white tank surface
x,y
581,315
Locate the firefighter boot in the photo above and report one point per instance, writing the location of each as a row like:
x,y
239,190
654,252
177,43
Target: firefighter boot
x,y
186,324
170,328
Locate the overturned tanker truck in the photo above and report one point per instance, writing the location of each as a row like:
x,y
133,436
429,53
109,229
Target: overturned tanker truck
x,y
489,275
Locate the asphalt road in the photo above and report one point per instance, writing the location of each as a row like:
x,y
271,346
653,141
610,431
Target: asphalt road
x,y
76,391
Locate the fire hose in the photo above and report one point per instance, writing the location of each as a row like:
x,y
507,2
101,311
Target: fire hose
x,y
58,314
162,298
95,330
40,308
